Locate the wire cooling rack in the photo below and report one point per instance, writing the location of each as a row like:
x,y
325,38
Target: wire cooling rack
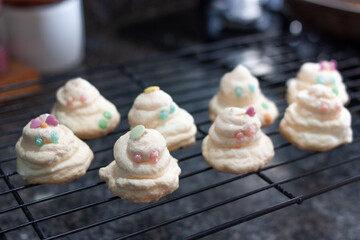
x,y
207,201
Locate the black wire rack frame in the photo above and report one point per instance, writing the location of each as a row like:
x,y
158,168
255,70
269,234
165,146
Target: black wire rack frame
x,y
85,209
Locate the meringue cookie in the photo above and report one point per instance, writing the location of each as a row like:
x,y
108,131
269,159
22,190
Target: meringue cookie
x,y
317,120
323,73
155,109
50,153
240,88
81,108
143,169
235,143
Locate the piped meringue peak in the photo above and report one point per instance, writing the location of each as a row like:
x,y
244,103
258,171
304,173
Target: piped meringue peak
x,y
143,169
240,88
322,73
235,143
155,109
317,120
77,101
48,152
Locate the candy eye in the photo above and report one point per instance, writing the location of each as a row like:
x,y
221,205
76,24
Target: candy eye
x,y
83,98
137,157
54,137
39,141
238,92
320,80
163,115
251,88
251,131
154,156
324,107
172,108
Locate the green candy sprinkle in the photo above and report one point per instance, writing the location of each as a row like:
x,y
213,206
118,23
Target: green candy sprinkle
x,y
163,115
264,105
239,92
137,132
320,80
335,90
103,124
107,115
39,141
172,108
251,88
54,137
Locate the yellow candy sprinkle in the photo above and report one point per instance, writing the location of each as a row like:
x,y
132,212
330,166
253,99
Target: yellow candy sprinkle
x,y
151,89
43,125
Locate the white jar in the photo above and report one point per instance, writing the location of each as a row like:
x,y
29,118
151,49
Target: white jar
x,y
48,37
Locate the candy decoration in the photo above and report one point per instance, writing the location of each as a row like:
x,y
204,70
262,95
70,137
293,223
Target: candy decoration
x,y
137,157
151,89
83,98
324,107
338,106
239,136
70,100
250,111
137,132
103,124
332,80
267,118
264,105
333,64
322,66
163,115
172,108
320,80
39,141
238,92
154,156
251,88
35,123
251,131
335,90
107,115
51,120
54,137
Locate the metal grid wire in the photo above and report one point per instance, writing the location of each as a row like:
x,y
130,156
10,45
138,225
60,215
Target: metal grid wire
x,y
84,208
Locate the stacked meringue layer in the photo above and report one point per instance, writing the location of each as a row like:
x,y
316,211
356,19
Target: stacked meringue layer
x,y
322,73
50,153
80,107
235,143
155,109
240,88
317,120
143,169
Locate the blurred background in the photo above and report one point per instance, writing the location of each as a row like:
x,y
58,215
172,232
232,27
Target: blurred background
x,y
40,37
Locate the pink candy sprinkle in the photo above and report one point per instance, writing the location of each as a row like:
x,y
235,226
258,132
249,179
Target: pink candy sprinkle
x,y
250,111
322,65
251,131
137,157
83,98
324,107
239,136
154,156
51,120
35,123
70,100
333,64
338,106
